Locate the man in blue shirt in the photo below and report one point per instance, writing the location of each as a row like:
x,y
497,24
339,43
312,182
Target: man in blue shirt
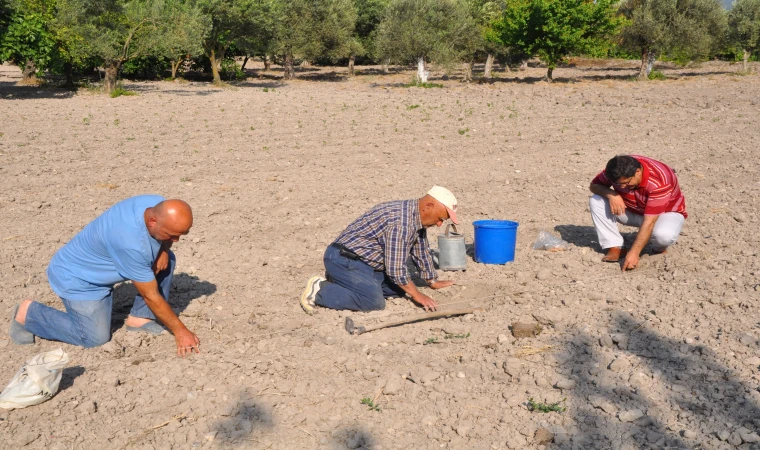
x,y
130,241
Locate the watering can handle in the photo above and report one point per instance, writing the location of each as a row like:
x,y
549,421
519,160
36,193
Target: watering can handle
x,y
446,232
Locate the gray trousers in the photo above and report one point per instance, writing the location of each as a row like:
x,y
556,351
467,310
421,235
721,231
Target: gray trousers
x,y
665,232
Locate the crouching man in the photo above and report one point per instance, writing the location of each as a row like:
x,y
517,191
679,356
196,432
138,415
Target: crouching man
x,y
130,241
640,192
367,263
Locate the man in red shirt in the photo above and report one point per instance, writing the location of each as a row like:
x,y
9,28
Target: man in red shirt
x,y
640,192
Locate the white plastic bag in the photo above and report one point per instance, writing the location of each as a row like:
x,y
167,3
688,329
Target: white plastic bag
x,y
36,382
546,241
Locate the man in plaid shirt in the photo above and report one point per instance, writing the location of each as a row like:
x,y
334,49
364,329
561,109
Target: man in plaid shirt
x,y
367,262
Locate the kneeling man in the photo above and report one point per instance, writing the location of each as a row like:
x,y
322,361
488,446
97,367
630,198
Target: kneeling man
x,y
640,192
130,241
367,262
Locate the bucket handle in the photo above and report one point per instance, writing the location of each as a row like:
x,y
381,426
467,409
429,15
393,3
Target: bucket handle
x,y
447,233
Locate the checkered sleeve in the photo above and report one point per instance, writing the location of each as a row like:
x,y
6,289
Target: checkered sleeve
x,y
421,257
396,253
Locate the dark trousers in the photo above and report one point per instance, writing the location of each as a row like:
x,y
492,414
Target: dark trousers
x,y
352,284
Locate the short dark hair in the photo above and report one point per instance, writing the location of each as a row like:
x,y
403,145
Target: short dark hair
x,y
621,166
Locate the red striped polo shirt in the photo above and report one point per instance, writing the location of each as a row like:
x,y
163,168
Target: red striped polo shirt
x,y
657,193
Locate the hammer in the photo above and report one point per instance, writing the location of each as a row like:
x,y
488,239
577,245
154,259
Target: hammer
x,y
353,329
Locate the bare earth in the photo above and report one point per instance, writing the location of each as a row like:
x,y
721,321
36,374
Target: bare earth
x,y
664,357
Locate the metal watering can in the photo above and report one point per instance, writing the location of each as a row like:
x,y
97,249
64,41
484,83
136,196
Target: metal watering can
x,y
452,254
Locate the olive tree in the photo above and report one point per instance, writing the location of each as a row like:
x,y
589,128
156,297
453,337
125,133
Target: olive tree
x,y
418,31
185,30
315,28
231,21
692,28
260,36
368,16
744,27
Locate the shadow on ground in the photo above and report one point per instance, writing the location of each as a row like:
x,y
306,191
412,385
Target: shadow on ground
x,y
704,396
578,235
69,374
185,289
243,417
352,437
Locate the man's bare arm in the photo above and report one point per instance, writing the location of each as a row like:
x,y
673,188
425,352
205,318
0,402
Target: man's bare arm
x,y
642,237
187,341
427,302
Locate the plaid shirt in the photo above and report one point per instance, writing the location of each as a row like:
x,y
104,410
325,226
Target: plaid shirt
x,y
386,235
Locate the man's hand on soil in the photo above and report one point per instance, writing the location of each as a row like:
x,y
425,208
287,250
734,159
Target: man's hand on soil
x,y
187,341
440,284
631,261
426,302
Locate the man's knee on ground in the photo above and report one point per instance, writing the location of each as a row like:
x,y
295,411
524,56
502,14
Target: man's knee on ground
x,y
95,338
662,239
373,303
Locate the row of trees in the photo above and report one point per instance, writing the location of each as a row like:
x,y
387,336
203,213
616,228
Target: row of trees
x,y
61,36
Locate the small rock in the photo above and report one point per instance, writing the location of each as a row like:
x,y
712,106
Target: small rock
x,y
603,404
503,338
689,434
210,436
429,420
543,436
753,361
329,340
621,340
565,384
429,377
605,341
454,329
619,364
735,439
393,386
523,330
461,375
630,415
723,435
544,274
512,366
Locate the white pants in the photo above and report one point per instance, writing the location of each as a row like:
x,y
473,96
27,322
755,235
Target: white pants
x,y
665,233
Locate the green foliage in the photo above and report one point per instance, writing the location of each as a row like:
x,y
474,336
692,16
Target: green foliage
x,y
312,29
369,13
692,28
230,22
370,404
440,30
553,29
27,36
145,67
261,36
546,408
186,28
426,85
118,91
430,340
744,25
656,75
230,70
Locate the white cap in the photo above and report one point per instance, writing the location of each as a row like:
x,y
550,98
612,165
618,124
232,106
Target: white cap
x,y
447,199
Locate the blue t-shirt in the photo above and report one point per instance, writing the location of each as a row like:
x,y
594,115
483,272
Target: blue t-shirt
x,y
112,248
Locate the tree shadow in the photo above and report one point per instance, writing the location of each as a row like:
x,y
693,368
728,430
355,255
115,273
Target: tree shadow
x,y
579,235
615,407
241,419
185,288
10,91
69,374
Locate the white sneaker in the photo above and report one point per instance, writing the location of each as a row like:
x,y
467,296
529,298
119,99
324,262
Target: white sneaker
x,y
309,295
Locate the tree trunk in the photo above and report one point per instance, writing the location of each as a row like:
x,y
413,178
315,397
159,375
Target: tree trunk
x,y
245,61
467,69
267,63
385,66
29,73
290,71
215,66
422,74
549,71
351,60
650,62
524,65
68,69
175,67
746,60
112,73
489,66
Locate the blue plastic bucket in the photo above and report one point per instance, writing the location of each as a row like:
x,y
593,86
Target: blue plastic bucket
x,y
495,241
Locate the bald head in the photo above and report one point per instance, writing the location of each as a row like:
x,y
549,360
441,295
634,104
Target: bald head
x,y
432,212
169,220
